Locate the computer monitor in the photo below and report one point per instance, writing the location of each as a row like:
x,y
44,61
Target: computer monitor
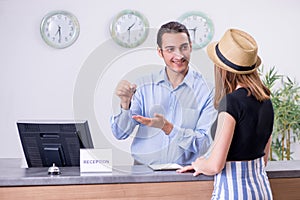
x,y
58,142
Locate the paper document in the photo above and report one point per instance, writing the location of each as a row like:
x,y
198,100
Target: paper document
x,y
168,166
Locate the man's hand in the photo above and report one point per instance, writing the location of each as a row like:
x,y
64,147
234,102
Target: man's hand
x,y
125,91
158,121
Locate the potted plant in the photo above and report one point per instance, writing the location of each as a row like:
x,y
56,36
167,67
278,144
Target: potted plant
x,y
285,96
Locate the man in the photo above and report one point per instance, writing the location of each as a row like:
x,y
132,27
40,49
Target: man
x,y
173,108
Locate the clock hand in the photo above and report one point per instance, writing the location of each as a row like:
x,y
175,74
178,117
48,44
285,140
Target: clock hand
x,y
130,26
193,29
128,29
59,33
194,32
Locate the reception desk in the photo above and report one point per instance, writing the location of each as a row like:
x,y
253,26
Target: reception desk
x,y
129,182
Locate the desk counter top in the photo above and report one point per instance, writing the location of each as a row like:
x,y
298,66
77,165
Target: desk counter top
x,y
13,175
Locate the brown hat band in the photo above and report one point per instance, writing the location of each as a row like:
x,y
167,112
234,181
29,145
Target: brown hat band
x,y
232,65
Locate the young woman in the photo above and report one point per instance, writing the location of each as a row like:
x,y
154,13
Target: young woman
x,y
242,140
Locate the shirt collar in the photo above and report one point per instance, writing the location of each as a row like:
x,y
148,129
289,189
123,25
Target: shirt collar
x,y
161,76
188,79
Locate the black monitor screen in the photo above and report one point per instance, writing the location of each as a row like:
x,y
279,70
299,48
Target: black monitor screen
x,y
59,142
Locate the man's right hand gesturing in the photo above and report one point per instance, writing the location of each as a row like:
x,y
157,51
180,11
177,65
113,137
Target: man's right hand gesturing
x,y
125,91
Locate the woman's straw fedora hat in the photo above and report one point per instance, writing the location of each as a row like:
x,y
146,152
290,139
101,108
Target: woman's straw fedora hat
x,y
235,52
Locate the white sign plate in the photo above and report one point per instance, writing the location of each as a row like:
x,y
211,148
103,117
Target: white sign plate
x,y
95,160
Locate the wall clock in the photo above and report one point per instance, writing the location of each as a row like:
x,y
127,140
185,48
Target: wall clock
x,y
59,29
129,28
200,27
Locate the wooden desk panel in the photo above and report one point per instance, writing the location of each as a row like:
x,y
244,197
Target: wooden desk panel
x,y
131,191
283,188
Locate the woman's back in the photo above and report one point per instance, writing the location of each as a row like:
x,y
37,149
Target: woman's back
x,y
254,124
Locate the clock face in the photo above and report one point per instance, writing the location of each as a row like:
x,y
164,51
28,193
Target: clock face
x,y
59,29
129,28
200,28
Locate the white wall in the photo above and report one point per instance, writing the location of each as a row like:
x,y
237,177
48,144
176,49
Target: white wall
x,y
40,82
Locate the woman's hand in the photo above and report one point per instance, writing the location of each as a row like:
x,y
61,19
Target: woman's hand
x,y
194,167
197,166
185,169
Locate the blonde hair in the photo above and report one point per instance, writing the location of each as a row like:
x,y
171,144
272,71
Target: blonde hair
x,y
226,82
